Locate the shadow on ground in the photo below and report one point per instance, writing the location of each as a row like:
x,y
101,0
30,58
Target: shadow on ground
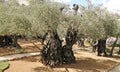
x,y
87,64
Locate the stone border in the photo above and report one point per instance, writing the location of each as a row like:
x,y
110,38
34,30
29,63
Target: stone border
x,y
16,56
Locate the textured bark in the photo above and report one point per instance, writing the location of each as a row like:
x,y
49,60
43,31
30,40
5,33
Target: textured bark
x,y
53,53
113,46
68,56
101,47
1,40
9,40
15,41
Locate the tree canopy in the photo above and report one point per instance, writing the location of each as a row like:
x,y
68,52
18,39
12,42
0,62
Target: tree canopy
x,y
38,17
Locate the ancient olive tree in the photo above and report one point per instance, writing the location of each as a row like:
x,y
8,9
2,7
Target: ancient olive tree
x,y
49,18
53,53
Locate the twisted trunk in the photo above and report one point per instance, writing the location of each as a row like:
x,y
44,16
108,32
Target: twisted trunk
x,y
53,53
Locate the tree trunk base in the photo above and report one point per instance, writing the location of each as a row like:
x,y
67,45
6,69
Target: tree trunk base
x,y
53,53
68,55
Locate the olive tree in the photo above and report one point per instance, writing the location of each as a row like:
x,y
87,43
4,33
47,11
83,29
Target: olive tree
x,y
96,22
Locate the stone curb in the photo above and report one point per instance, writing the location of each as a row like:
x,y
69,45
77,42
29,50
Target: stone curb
x,y
11,57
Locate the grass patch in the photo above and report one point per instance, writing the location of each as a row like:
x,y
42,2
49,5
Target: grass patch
x,y
19,51
3,65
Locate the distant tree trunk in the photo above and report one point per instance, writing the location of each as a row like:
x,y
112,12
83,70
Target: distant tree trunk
x,y
101,47
15,41
1,40
113,46
119,50
9,40
95,45
81,42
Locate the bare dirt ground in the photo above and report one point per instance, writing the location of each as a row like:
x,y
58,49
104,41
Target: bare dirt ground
x,y
85,62
27,46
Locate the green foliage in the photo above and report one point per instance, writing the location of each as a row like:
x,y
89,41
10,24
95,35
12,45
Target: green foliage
x,y
40,16
97,22
25,20
11,24
6,24
48,17
3,65
23,25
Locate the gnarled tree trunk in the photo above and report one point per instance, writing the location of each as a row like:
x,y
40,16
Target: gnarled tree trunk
x,y
53,53
9,40
68,55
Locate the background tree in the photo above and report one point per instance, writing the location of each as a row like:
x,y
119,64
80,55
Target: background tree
x,y
92,21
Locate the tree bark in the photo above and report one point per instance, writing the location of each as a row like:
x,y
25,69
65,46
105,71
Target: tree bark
x,y
113,46
101,47
1,41
53,53
15,41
